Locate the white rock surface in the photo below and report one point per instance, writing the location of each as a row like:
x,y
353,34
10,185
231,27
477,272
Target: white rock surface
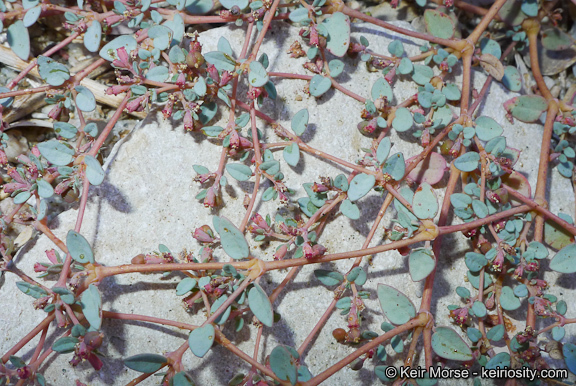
x,y
148,195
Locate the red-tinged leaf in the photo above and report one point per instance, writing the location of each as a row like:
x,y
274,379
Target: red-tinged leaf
x,y
431,170
517,182
439,24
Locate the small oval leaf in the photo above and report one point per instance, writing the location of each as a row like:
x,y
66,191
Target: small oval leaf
x,y
396,306
449,345
145,363
260,305
565,260
201,340
94,171
79,248
425,203
421,264
360,186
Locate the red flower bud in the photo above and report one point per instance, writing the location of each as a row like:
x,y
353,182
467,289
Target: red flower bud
x,y
204,234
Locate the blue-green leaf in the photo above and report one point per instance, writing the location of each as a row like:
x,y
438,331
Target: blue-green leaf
x,y
176,25
181,378
403,119
475,261
489,46
569,351
336,67
207,112
200,86
565,260
6,102
405,67
350,210
395,166
386,373
512,79
319,85
528,108
55,152
257,76
283,363
508,300
157,74
260,305
52,72
396,306
460,200
223,317
161,35
452,92
185,286
474,334
467,162
422,74
496,333
93,36
360,186
22,197
45,189
381,88
425,203
146,363
500,360
338,39
240,172
439,24
79,248
558,333
212,131
421,263
487,128
27,4
220,60
474,279
530,7
300,122
299,15
65,129
30,289
232,239
201,7
176,55
396,48
329,278
228,4
291,154
92,306
521,290
449,345
463,292
341,182
480,208
65,344
19,39
85,100
479,309
383,150
31,16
